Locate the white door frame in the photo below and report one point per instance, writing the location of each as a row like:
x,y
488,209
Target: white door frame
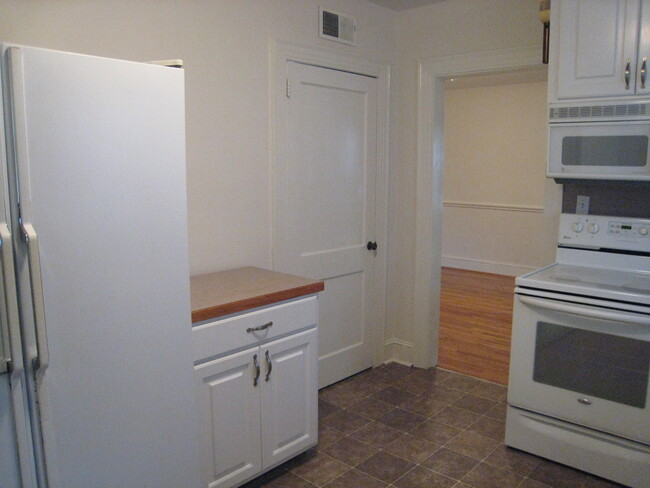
x,y
430,164
281,54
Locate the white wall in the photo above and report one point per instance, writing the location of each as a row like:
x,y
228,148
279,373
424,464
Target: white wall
x,y
495,175
451,27
225,47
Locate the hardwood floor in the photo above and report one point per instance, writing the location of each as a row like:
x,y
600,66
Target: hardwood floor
x,y
475,323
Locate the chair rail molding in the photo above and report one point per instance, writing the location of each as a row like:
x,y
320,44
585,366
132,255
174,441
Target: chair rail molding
x,y
504,207
430,161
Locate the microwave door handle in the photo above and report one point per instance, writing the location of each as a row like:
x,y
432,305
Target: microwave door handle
x,y
586,312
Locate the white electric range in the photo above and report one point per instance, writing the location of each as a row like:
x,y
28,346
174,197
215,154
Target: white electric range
x,y
580,357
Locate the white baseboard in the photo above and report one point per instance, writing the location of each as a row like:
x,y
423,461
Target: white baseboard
x,y
506,269
403,363
398,351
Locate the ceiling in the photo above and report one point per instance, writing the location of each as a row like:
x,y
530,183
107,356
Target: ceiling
x,y
404,4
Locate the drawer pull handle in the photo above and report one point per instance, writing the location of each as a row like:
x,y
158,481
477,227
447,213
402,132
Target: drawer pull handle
x,y
269,364
257,370
250,330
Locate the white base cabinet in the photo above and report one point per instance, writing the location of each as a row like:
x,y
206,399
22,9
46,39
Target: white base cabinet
x,y
259,405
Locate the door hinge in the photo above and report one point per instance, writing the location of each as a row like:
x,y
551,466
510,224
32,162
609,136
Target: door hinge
x,y
288,89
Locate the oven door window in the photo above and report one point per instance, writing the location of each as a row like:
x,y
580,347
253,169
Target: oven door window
x,y
592,363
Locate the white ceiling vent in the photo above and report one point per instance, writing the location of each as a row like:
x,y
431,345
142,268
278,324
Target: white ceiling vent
x,y
336,26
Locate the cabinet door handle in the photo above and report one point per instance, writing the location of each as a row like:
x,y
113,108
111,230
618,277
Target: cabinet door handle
x,y
644,71
250,330
269,366
627,73
257,370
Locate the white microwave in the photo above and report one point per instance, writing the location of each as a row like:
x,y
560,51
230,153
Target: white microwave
x,y
605,142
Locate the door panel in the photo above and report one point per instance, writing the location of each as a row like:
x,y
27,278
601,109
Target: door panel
x,y
289,396
596,40
229,402
542,335
325,201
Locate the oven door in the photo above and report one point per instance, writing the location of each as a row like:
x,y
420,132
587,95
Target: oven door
x,y
584,364
600,150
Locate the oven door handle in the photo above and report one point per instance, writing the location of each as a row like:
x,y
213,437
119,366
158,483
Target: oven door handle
x,y
614,316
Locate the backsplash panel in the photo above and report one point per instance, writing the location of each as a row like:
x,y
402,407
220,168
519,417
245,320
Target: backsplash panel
x,y
616,198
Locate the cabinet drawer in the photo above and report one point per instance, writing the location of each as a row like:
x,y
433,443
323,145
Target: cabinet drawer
x,y
215,338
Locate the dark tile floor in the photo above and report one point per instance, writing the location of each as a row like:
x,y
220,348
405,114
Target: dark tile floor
x,y
400,427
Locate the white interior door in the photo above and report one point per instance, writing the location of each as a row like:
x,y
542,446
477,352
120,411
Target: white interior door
x,y
325,205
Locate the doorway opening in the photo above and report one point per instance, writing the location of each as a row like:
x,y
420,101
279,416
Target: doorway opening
x,y
430,172
495,142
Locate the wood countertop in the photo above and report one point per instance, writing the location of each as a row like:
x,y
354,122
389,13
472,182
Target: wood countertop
x,y
226,292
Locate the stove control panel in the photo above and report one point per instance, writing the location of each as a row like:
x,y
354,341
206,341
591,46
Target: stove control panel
x,y
598,231
624,229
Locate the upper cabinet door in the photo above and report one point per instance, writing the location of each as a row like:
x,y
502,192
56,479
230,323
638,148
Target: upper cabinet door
x,y
597,55
643,55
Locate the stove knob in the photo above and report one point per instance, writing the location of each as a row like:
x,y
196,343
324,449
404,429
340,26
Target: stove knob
x,y
593,228
643,231
577,227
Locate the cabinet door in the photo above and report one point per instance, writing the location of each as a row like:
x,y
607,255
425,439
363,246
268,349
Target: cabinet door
x,y
643,85
597,39
229,406
289,396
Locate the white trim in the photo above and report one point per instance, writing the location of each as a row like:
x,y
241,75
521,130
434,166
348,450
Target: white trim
x,y
403,363
430,154
280,54
503,207
400,351
483,266
399,342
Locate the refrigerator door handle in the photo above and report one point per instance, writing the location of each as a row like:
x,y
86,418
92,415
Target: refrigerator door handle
x,y
10,319
15,55
41,361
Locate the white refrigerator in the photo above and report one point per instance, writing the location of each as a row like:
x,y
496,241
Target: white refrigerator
x,y
96,384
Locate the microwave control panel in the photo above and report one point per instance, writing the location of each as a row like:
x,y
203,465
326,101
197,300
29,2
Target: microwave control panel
x,y
598,231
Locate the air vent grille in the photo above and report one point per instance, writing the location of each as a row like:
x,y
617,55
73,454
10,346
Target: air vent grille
x,y
336,26
591,111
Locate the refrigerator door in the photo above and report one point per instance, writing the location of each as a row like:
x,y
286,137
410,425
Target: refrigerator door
x,y
100,161
9,462
9,466
17,469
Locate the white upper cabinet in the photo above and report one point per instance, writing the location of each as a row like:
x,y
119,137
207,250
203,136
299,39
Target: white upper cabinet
x,y
599,48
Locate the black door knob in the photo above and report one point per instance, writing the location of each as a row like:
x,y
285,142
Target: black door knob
x,y
372,246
